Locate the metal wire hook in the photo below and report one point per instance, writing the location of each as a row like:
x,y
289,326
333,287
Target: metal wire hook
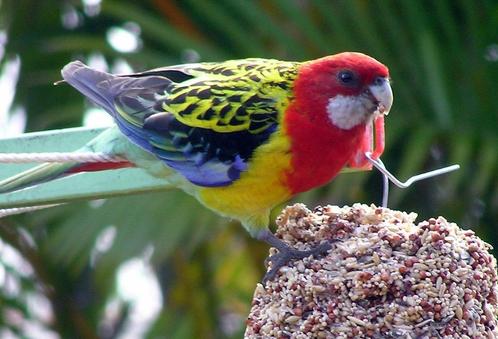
x,y
387,176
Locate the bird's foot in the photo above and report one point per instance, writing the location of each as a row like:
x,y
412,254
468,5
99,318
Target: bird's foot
x,y
286,253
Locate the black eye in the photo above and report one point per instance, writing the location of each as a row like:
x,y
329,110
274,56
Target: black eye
x,y
347,78
379,81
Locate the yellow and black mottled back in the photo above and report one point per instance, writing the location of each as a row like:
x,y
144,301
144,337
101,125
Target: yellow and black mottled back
x,y
231,96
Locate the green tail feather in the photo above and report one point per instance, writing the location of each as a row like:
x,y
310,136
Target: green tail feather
x,y
35,176
104,142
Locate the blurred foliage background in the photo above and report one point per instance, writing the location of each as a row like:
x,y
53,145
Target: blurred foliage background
x,y
160,265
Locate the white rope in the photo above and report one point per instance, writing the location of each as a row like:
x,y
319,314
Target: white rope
x,y
58,157
18,210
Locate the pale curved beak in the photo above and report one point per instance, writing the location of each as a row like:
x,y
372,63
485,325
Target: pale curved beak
x,y
382,92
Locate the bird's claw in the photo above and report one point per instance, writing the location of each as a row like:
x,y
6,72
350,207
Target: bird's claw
x,y
286,254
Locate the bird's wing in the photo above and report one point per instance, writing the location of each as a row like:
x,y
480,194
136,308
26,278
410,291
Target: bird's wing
x,y
204,120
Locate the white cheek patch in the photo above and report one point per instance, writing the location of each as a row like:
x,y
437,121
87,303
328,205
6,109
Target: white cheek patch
x,y
346,112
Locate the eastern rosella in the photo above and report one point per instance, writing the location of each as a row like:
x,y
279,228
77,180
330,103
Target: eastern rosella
x,y
241,136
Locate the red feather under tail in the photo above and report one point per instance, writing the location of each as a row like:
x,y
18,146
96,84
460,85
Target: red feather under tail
x,y
99,166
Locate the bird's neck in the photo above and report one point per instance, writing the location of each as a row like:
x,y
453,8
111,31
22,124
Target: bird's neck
x,y
318,149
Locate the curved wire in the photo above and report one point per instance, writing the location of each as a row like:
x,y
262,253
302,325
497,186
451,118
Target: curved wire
x,y
388,176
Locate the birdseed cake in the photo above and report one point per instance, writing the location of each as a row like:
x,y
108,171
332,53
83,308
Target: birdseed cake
x,y
385,277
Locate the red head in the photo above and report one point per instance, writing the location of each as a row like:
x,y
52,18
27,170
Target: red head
x,y
335,98
346,88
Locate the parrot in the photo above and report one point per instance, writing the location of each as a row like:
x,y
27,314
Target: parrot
x,y
241,136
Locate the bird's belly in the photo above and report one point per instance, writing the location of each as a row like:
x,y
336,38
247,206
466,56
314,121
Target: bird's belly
x,y
258,189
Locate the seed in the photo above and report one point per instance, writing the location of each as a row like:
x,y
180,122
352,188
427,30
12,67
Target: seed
x,y
439,281
420,266
364,276
436,237
298,311
473,247
375,258
318,288
292,319
410,261
357,321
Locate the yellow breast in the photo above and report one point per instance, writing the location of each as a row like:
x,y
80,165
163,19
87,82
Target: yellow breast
x,y
259,188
